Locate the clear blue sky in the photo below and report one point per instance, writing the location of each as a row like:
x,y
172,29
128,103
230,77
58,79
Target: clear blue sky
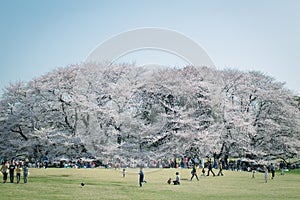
x,y
38,36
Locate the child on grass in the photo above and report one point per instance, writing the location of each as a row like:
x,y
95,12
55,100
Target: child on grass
x,y
124,172
177,179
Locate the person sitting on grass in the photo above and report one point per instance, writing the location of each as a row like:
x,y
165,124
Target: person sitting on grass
x,y
177,179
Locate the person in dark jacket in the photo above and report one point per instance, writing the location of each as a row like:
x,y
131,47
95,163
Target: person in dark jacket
x,y
12,168
220,169
141,178
194,173
272,169
210,166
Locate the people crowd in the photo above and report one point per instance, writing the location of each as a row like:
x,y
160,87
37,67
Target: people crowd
x,y
15,168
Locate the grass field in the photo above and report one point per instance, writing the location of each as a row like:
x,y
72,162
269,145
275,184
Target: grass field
x,y
109,184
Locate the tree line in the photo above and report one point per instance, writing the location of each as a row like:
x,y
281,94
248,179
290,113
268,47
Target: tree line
x,y
133,113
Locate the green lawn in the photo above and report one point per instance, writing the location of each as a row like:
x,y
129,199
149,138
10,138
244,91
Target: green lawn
x,y
109,184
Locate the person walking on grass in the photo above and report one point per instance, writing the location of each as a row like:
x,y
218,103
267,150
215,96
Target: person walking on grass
x,y
18,171
210,166
282,166
194,173
26,173
220,169
5,169
253,172
141,178
272,169
265,173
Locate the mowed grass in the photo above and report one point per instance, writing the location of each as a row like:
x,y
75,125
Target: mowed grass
x,y
109,184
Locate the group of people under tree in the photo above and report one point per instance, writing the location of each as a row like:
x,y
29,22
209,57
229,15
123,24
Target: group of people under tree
x,y
194,173
210,166
190,161
266,169
13,168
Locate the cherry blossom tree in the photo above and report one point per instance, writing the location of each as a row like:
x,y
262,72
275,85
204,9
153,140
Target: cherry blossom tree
x,y
127,113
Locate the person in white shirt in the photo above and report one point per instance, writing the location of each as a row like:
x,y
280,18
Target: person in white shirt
x,y
177,180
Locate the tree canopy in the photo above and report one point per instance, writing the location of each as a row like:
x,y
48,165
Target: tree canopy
x,y
134,113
